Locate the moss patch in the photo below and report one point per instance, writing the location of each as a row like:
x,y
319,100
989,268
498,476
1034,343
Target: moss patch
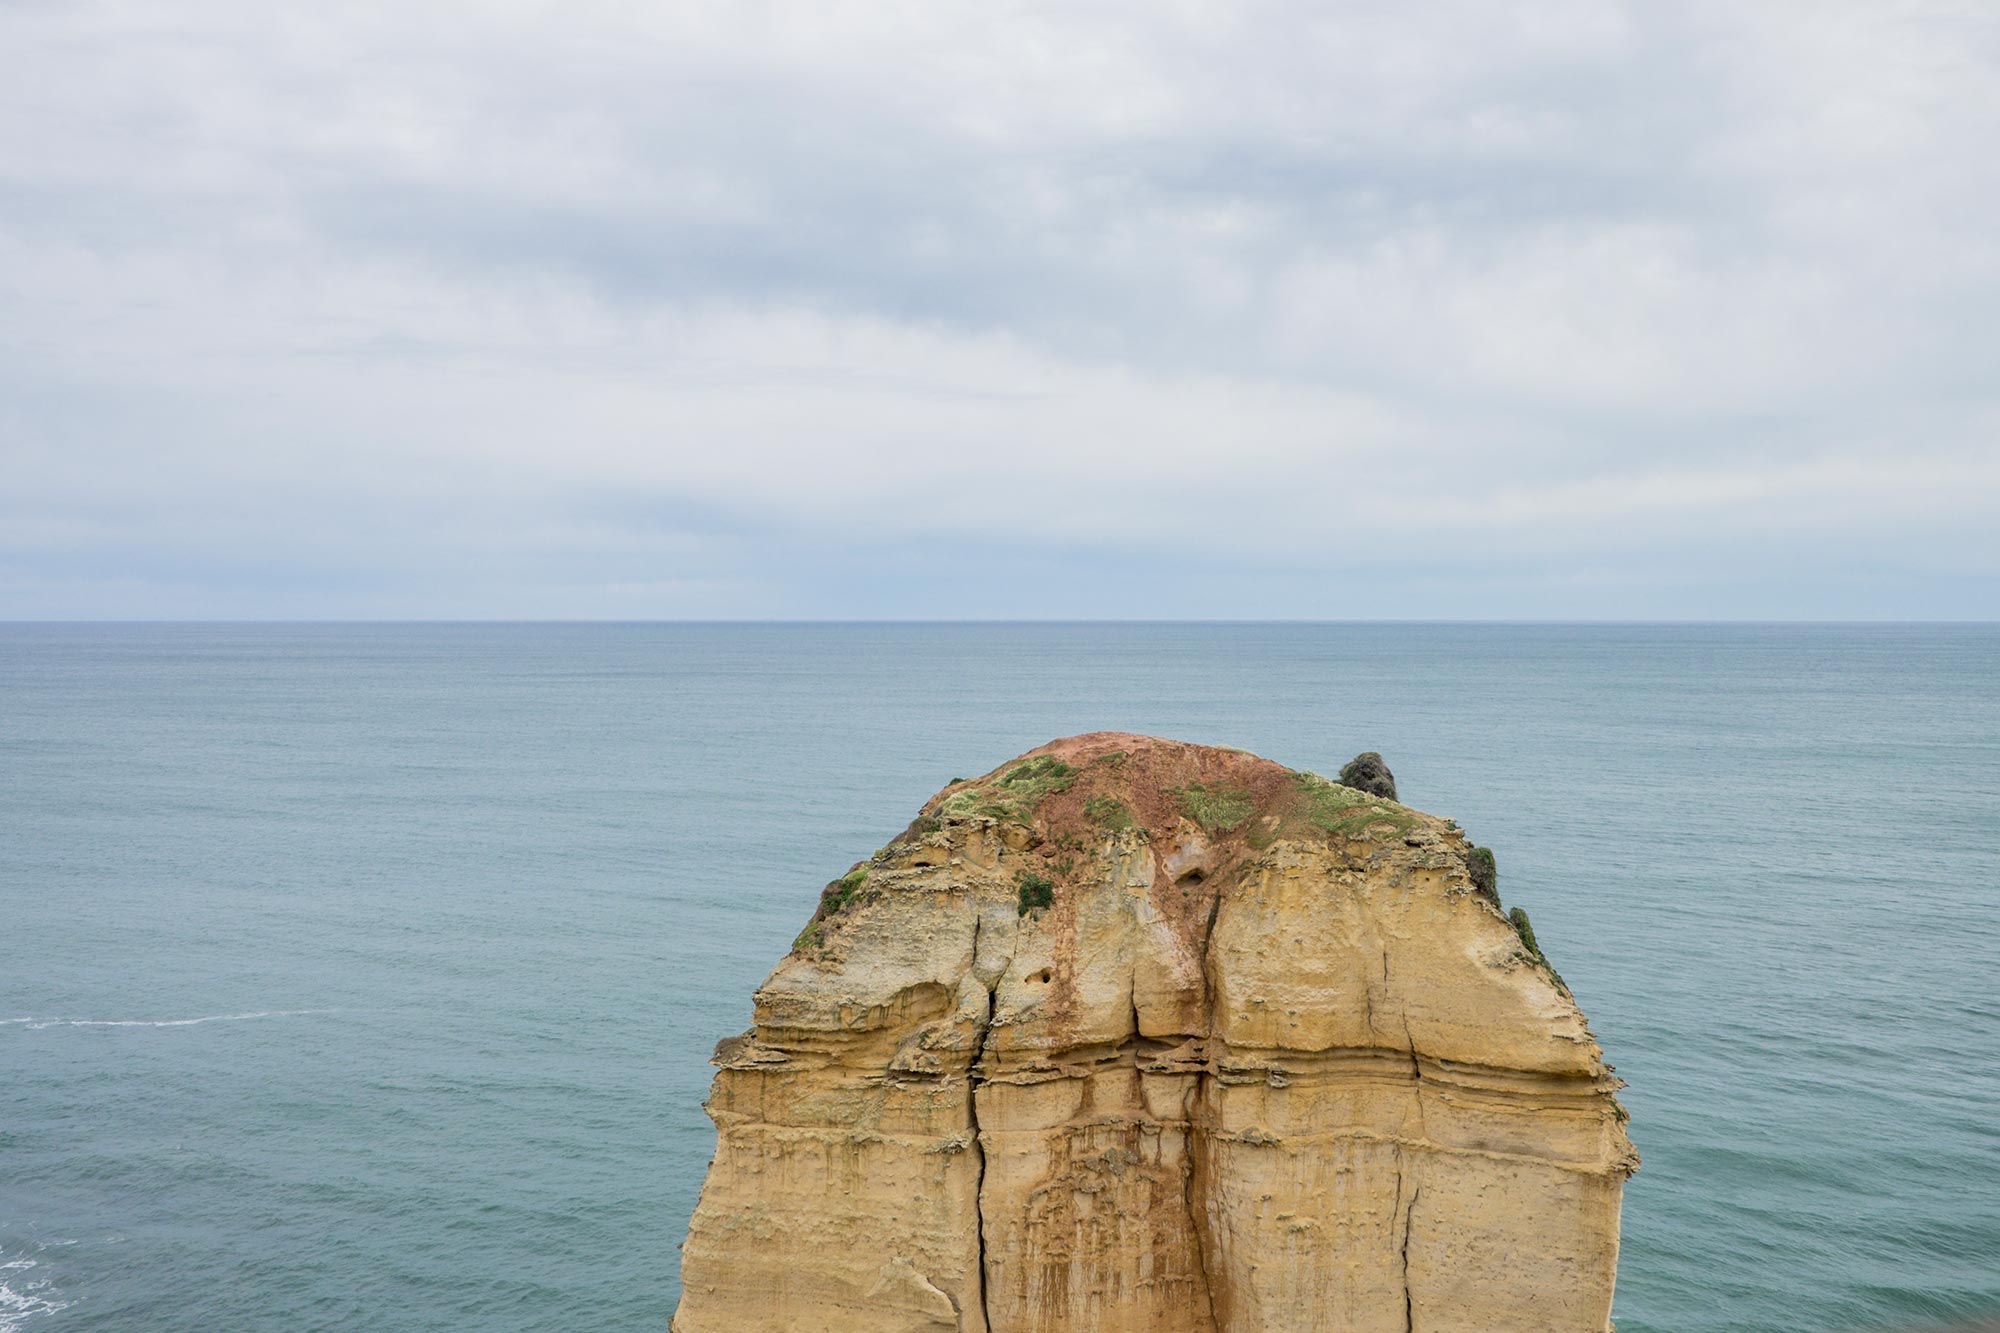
x,y
1216,809
1014,795
833,900
1346,812
1041,775
1108,814
1033,892
1263,833
1519,916
1522,927
1485,874
837,895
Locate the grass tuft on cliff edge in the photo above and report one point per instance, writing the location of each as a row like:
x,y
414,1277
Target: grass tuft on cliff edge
x,y
1014,795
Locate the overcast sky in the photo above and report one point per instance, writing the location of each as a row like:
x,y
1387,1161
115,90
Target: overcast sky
x,y
1547,310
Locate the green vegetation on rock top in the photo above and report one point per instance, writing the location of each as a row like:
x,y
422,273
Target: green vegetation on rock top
x,y
1216,809
833,900
1108,814
1046,772
1346,811
1015,794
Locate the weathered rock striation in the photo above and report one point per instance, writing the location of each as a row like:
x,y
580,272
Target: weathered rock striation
x,y
1136,1035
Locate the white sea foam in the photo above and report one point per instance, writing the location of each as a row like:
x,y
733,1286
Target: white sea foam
x,y
19,1304
162,1022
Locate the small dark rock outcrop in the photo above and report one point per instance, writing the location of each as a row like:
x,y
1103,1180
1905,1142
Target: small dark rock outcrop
x,y
1367,772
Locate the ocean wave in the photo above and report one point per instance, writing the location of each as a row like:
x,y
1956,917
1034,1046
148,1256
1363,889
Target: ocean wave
x,y
36,1023
19,1304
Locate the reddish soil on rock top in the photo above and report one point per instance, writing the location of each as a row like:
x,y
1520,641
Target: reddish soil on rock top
x,y
1152,778
1203,809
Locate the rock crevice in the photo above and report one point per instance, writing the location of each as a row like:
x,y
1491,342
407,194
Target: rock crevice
x,y
1103,1042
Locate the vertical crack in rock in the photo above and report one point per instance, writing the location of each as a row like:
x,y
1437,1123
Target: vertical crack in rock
x,y
1396,1208
1197,1133
972,1082
1196,1213
1409,1220
1400,1219
1416,1078
978,1203
1368,994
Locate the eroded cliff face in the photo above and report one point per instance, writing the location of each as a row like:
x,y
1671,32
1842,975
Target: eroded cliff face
x,y
1136,1035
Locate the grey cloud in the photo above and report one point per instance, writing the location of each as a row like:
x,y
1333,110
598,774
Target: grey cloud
x,y
1596,281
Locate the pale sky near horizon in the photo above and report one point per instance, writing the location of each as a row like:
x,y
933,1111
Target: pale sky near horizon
x,y
1547,310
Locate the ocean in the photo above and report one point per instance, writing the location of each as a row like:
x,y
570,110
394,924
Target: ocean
x,y
364,976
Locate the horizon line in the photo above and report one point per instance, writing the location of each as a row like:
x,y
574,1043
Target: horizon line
x,y
967,621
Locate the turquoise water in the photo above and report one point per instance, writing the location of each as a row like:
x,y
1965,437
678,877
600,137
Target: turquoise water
x,y
364,976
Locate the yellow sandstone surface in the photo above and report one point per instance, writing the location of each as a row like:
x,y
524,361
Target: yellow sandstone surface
x,y
1266,1060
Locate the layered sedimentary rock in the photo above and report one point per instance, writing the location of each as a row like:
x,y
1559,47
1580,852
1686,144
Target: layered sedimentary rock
x,y
1136,1035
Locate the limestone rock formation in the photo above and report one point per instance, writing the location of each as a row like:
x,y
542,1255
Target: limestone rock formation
x,y
1136,1035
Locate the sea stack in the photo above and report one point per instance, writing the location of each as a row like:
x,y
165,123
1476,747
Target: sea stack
x,y
1135,1035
